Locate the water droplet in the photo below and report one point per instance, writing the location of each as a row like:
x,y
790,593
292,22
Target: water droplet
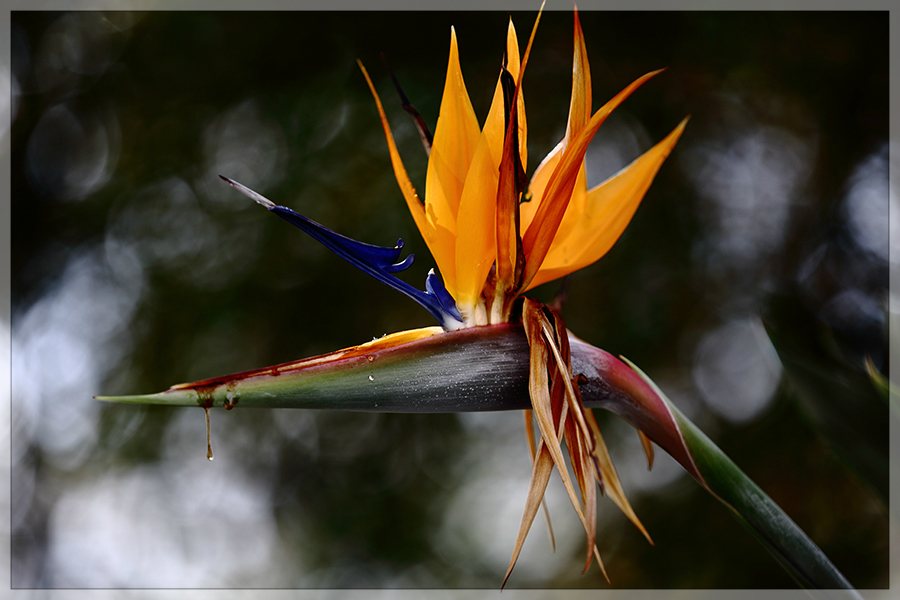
x,y
209,452
230,399
371,378
370,358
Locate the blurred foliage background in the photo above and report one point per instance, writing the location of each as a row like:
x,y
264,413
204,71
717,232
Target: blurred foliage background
x,y
134,267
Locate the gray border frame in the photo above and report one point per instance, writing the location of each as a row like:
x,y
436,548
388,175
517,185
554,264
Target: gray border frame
x,y
462,5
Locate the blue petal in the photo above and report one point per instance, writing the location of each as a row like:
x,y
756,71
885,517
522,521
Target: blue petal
x,y
365,256
435,287
378,261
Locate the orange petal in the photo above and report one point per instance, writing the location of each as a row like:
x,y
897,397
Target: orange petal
x,y
579,115
539,236
573,216
512,51
441,242
406,186
510,259
538,184
455,139
476,241
580,103
586,235
507,203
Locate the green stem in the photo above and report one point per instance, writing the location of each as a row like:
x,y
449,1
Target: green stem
x,y
790,546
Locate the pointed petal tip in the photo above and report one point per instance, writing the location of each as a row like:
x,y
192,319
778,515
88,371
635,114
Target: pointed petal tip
x,y
646,77
672,138
257,197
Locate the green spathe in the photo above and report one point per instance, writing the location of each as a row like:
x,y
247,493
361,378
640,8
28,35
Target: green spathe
x,y
486,369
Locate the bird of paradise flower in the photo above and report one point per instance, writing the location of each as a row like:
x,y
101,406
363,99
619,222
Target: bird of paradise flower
x,y
494,235
491,246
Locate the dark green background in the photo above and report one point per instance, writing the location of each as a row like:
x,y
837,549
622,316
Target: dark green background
x,y
360,503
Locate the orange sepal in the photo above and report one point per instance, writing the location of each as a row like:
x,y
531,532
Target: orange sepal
x,y
585,236
538,238
455,139
406,186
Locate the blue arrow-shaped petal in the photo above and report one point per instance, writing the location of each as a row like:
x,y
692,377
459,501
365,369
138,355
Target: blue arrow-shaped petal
x,y
378,261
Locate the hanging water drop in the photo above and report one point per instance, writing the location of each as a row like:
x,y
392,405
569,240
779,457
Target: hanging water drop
x,y
371,378
209,452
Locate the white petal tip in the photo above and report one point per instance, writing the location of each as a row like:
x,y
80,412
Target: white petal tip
x,y
259,198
